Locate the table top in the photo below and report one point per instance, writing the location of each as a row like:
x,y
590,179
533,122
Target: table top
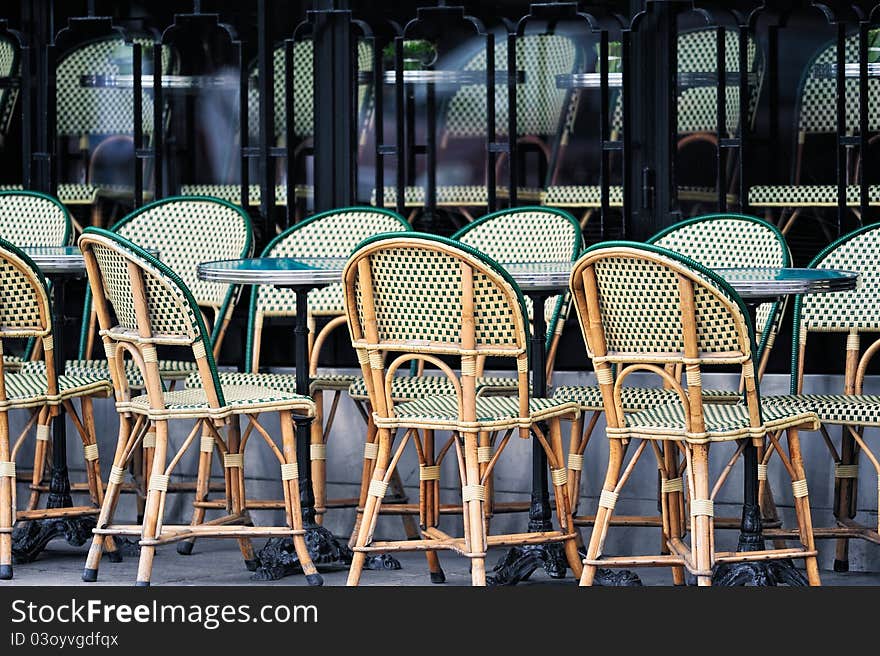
x,y
57,260
615,80
126,81
850,70
763,283
450,77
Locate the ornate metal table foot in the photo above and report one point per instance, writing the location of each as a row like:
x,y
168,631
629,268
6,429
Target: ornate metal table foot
x,y
31,537
127,547
519,563
380,562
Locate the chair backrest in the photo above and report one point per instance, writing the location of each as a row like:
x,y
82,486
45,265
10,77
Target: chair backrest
x,y
642,307
25,311
418,296
720,241
141,303
335,233
528,234
10,66
540,103
853,312
817,98
29,218
102,111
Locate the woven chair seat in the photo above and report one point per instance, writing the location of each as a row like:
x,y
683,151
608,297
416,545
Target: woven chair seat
x,y
455,195
723,422
168,370
847,409
12,363
192,403
591,195
26,390
231,193
493,413
280,382
809,195
412,388
589,397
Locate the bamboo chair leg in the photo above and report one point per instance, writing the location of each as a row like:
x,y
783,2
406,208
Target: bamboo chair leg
x,y
203,480
236,489
574,475
563,507
410,528
431,501
701,524
603,514
473,509
93,469
154,506
802,506
845,496
366,473
671,505
294,509
319,465
7,502
40,457
371,506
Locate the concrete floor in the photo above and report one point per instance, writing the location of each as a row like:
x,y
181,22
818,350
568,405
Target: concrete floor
x,y
218,562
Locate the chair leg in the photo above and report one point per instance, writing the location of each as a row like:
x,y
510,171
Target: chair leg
x,y
370,450
560,492
7,503
371,506
41,454
154,506
671,506
203,480
473,511
431,502
319,465
701,522
235,491
93,467
845,497
604,512
802,505
294,508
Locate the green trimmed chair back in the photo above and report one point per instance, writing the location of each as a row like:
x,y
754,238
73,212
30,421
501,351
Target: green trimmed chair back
x,y
542,57
528,234
10,66
169,314
29,218
335,233
720,241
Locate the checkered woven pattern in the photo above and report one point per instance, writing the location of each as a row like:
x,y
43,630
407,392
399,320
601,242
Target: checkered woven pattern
x,y
845,409
330,234
188,231
25,390
454,195
239,399
540,236
170,370
589,397
581,196
809,195
852,310
280,382
723,421
817,112
101,111
641,313
12,363
540,103
31,219
491,409
231,193
22,298
10,66
411,388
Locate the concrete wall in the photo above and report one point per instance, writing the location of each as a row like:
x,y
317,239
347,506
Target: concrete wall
x,y
513,475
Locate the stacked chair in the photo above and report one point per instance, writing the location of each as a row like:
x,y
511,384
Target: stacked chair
x,y
462,305
643,308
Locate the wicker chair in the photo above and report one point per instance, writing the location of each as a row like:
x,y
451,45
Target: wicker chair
x,y
697,120
642,308
816,116
10,66
334,233
103,115
542,105
853,313
153,306
457,303
715,241
26,315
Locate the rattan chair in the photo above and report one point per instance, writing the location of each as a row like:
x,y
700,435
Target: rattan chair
x,y
853,313
715,241
642,308
541,108
26,314
416,298
334,233
141,303
815,116
697,120
10,66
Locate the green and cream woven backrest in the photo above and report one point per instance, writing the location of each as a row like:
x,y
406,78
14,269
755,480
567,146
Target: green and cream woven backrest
x,y
24,297
539,102
334,233
10,66
720,241
170,314
634,307
526,235
102,111
420,295
817,101
29,218
189,230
